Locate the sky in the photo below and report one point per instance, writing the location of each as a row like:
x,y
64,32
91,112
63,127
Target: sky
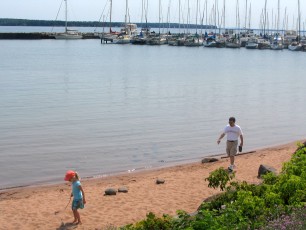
x,y
96,10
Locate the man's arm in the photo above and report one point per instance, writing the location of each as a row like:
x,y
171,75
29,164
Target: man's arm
x,y
221,136
241,140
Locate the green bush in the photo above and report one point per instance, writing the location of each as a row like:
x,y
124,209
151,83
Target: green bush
x,y
219,178
151,223
270,178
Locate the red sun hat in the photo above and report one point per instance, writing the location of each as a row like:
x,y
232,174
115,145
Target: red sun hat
x,y
69,175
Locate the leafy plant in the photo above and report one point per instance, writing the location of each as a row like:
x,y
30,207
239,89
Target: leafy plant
x,y
270,178
152,222
183,221
219,178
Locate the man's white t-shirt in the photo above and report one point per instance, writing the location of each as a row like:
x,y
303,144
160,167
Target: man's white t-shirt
x,y
232,133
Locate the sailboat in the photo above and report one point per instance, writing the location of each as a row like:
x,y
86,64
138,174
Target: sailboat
x,y
234,40
112,34
210,41
252,43
193,39
263,42
179,39
68,34
127,32
297,46
157,39
277,42
140,39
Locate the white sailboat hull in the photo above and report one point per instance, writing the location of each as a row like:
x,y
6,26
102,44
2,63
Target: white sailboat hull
x,y
277,47
251,45
298,47
67,36
123,40
232,45
210,44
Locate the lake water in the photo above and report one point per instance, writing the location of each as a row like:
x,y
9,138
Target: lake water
x,y
103,108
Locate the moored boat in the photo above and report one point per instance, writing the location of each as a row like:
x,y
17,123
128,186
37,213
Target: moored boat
x,y
68,34
210,42
277,43
263,44
252,43
193,40
295,46
233,42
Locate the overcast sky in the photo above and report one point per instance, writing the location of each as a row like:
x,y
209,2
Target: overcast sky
x,y
91,10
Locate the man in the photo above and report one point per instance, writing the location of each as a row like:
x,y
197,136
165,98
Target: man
x,y
232,132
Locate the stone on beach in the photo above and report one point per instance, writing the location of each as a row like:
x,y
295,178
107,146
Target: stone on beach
x,y
209,160
123,190
264,169
160,181
110,192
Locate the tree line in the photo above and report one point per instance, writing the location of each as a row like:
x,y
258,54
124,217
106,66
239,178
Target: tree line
x,y
27,22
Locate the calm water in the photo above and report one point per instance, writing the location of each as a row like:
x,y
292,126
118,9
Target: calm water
x,y
101,109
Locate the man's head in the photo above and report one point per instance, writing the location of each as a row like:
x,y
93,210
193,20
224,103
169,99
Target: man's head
x,y
232,121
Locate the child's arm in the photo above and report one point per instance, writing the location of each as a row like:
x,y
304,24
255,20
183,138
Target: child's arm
x,y
84,200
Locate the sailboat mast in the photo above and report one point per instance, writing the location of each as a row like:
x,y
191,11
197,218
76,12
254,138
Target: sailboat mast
x,y
215,17
206,12
169,16
197,17
246,14
188,18
142,13
110,16
250,15
265,18
285,20
146,13
278,9
238,15
299,15
224,15
126,12
66,15
159,17
179,16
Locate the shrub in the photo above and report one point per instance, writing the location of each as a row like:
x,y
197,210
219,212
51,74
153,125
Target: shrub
x,y
151,223
219,178
270,178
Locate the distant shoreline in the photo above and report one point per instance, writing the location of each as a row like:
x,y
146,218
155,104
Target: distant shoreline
x,y
29,22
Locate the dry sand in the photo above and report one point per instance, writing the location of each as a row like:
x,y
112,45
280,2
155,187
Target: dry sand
x,y
185,188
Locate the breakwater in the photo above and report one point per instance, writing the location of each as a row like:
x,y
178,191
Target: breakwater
x,y
37,35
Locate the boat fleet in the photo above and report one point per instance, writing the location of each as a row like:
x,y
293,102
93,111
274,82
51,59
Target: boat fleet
x,y
229,39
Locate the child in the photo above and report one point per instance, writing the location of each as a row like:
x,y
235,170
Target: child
x,y
77,193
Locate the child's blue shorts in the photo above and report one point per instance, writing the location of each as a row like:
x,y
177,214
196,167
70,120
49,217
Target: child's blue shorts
x,y
76,204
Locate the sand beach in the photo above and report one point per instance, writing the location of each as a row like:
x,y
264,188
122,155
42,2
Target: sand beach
x,y
185,188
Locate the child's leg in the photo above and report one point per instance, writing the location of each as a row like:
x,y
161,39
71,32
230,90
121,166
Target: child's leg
x,y
77,216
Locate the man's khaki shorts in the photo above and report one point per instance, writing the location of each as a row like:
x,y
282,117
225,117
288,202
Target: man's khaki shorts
x,y
231,148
